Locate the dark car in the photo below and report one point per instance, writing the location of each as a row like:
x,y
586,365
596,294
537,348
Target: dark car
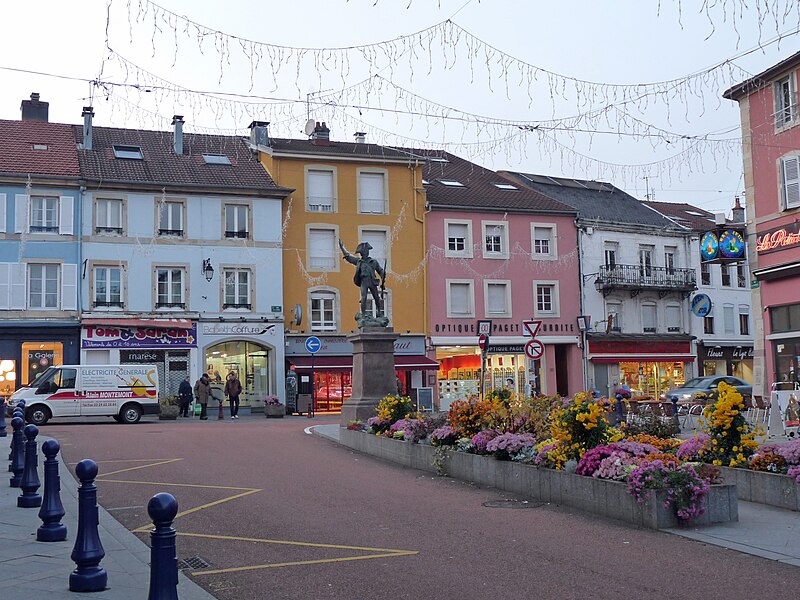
x,y
708,386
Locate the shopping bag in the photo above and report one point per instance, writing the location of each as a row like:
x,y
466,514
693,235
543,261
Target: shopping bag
x,y
197,409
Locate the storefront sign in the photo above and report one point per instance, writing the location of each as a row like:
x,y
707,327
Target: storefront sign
x,y
105,336
506,348
726,353
239,329
337,345
466,327
701,305
779,238
141,356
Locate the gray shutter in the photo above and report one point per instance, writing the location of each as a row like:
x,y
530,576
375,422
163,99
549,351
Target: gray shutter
x,y
69,286
3,213
65,226
5,285
791,182
21,224
19,283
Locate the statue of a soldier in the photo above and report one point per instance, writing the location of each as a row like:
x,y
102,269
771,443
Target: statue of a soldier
x,y
366,277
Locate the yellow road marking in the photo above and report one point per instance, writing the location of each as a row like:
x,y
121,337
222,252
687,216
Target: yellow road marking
x,y
149,526
290,543
194,485
155,464
305,562
129,460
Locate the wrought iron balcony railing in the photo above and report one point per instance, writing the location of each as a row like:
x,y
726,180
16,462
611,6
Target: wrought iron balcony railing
x,y
638,278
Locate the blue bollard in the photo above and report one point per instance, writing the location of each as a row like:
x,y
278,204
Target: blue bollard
x,y
88,551
30,475
674,400
162,509
17,451
17,413
52,511
3,418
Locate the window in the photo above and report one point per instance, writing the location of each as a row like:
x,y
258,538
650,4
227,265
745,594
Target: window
x,y
495,242
785,101
741,275
645,261
614,316
649,318
169,288
372,192
43,286
237,289
784,318
546,298
321,249
44,214
744,319
705,274
458,240
727,319
725,270
129,152
673,318
497,298
323,311
216,159
544,241
108,215
170,218
236,221
505,186
320,190
611,256
708,324
451,183
669,260
376,239
107,287
790,182
460,298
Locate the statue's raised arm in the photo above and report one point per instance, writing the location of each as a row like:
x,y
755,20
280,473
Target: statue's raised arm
x,y
347,256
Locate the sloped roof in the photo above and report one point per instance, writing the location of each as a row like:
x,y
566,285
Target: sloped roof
x,y
161,166
764,78
338,149
56,155
684,214
594,200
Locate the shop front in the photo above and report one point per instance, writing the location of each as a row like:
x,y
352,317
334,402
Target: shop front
x,y
333,369
784,344
721,359
29,348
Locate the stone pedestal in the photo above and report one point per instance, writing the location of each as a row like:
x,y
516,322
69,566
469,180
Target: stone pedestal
x,y
373,372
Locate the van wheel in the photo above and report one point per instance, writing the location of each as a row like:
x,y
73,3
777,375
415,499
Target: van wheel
x,y
130,414
38,415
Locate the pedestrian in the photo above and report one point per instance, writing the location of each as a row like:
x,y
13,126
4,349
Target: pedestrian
x,y
184,396
233,387
202,391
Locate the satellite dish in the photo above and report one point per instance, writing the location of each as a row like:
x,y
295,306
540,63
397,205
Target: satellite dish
x,y
309,129
298,315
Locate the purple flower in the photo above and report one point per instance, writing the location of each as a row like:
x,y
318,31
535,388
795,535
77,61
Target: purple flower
x,y
795,473
481,439
509,444
443,435
690,449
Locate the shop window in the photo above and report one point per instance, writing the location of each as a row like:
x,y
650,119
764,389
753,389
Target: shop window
x,y
44,214
744,319
649,322
320,190
170,292
460,298
170,218
250,362
495,239
458,236
725,271
8,377
37,357
107,287
785,318
372,192
237,289
497,298
323,311
108,216
236,221
43,286
543,241
321,249
546,299
705,274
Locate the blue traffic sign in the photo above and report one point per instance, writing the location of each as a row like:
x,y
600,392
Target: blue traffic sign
x,y
701,305
313,344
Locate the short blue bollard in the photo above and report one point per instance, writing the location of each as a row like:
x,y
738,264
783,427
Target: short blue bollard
x,y
162,509
674,400
3,418
30,474
52,511
17,451
619,408
17,413
88,551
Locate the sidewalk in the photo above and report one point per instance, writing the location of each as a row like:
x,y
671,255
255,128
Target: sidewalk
x,y
31,569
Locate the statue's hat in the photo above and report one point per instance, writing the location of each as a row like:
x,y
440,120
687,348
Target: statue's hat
x,y
363,246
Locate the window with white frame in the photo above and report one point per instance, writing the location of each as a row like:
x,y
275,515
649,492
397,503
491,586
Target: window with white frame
x,y
614,316
741,275
611,251
785,101
649,316
790,182
108,215
321,249
460,298
669,259
320,195
674,321
458,236
372,192
44,214
497,298
546,299
543,241
170,218
646,261
728,319
237,288
107,286
169,287
43,286
377,239
495,240
705,274
236,221
744,319
323,311
725,272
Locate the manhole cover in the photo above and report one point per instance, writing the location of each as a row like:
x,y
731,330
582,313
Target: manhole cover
x,y
512,504
194,562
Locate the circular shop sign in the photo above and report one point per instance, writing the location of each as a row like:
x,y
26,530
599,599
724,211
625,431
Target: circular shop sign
x,y
731,244
709,246
701,305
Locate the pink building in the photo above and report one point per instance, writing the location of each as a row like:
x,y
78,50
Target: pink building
x,y
771,149
500,252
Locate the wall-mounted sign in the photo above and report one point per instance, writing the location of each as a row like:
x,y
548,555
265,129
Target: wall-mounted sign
x,y
108,336
778,239
701,305
337,345
467,327
731,244
722,245
709,246
239,329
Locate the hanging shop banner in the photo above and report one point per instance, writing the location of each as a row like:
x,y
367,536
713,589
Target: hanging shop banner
x,y
107,336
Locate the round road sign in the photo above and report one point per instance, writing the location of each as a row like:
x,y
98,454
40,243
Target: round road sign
x,y
313,344
534,349
483,341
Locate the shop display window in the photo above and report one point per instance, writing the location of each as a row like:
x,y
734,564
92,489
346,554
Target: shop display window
x,y
787,361
8,377
37,357
250,362
651,378
331,389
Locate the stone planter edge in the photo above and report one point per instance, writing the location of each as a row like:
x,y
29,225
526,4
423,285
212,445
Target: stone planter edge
x,y
772,489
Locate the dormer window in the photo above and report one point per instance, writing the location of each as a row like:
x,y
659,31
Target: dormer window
x,y
128,152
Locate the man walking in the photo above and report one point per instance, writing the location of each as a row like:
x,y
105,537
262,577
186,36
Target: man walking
x,y
202,391
233,388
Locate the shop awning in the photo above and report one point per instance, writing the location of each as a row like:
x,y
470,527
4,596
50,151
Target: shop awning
x,y
126,322
639,358
778,271
345,363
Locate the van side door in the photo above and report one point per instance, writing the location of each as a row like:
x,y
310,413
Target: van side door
x,y
57,389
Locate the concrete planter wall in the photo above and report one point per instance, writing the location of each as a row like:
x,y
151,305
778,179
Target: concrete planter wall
x,y
772,489
597,496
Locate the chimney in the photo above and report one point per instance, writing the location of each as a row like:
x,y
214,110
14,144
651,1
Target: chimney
x,y
34,109
738,212
87,115
321,135
259,133
177,135
360,136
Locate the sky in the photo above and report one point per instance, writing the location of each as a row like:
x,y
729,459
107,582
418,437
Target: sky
x,y
554,88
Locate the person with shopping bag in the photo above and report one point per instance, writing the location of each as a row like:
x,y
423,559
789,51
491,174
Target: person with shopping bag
x,y
202,392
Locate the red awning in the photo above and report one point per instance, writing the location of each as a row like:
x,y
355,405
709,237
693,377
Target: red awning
x,y
637,358
126,322
345,363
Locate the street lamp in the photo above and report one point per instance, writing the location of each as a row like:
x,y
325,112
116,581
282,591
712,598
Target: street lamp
x,y
208,270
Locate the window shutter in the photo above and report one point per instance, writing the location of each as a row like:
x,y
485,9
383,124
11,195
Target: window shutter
x,y
5,285
791,182
673,318
649,316
497,299
3,213
69,287
321,250
728,318
19,280
21,214
320,187
457,230
371,185
459,298
376,239
65,215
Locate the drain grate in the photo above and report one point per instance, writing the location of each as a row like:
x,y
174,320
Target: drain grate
x,y
512,504
193,562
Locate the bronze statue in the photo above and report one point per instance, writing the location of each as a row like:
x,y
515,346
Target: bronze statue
x,y
366,277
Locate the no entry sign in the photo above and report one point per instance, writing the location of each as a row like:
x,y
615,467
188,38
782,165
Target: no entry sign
x,y
483,341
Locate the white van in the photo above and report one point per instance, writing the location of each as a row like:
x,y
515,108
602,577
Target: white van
x,y
124,392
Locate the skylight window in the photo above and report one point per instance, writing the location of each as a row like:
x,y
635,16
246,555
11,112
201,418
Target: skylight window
x,y
425,182
505,186
216,159
451,183
694,213
130,152
437,159
40,146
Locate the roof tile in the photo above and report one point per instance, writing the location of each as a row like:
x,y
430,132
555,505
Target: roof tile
x,y
17,155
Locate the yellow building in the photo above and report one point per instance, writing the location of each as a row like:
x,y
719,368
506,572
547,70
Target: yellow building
x,y
356,192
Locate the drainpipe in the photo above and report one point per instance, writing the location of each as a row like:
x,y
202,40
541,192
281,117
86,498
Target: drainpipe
x,y
584,338
79,221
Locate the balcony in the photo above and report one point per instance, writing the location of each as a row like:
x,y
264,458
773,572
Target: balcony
x,y
636,279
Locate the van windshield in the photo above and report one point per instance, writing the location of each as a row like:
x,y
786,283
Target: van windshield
x,y
37,379
55,379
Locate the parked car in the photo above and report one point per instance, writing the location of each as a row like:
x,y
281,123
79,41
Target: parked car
x,y
708,386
